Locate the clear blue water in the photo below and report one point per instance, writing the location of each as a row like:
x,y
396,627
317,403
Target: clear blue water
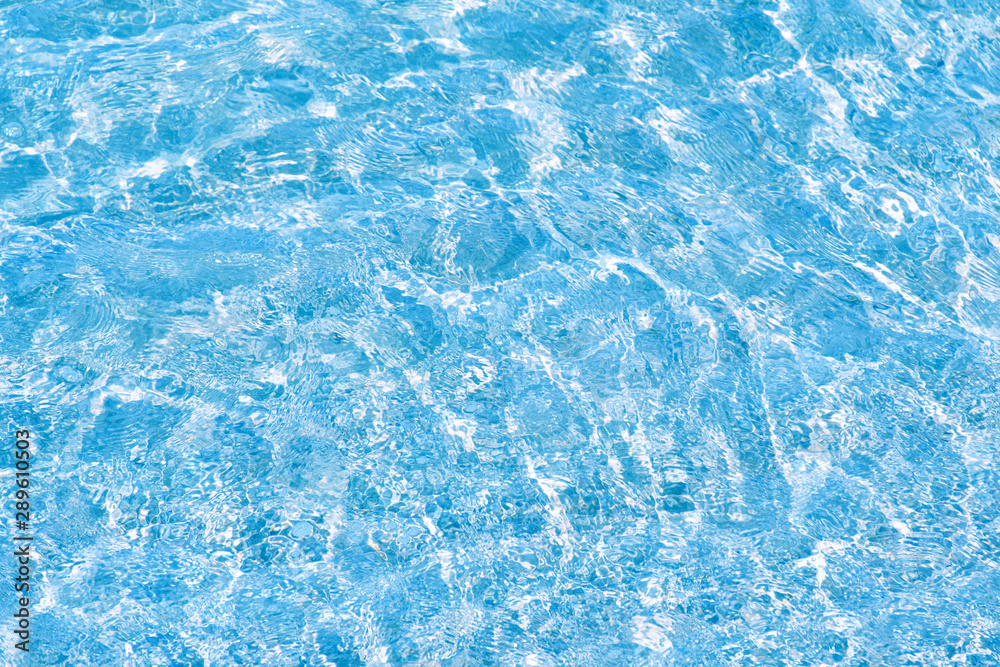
x,y
490,332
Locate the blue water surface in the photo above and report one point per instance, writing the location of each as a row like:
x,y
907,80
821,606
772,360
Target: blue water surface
x,y
503,332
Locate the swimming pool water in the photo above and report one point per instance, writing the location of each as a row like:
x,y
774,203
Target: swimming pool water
x,y
497,332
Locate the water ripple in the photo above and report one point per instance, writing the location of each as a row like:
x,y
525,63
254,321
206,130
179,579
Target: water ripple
x,y
476,333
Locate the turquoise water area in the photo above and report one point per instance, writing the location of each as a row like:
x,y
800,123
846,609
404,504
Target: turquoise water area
x,y
499,332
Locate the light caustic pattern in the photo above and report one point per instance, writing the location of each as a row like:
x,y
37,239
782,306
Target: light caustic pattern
x,y
505,333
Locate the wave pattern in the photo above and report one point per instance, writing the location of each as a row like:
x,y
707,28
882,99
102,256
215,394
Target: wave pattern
x,y
500,333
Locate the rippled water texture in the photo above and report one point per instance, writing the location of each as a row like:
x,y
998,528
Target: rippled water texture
x,y
505,333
